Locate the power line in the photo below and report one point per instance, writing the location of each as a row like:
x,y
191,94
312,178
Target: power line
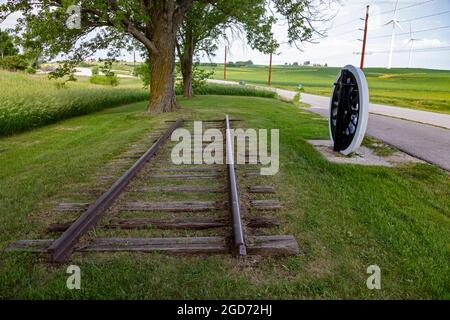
x,y
345,23
408,20
417,18
406,7
383,13
423,17
430,49
407,33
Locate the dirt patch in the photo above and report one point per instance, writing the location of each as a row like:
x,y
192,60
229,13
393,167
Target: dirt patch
x,y
401,75
372,155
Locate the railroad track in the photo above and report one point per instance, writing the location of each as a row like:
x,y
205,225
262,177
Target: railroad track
x,y
208,211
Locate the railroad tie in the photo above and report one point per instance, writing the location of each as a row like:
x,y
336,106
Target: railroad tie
x,y
256,245
172,206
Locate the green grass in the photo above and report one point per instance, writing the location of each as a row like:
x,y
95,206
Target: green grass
x,y
345,217
32,101
104,80
424,89
213,89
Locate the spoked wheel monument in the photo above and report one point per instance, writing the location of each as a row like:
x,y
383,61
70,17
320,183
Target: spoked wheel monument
x,y
349,110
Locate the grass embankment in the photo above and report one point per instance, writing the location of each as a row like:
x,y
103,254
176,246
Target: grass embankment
x,y
33,101
345,217
412,88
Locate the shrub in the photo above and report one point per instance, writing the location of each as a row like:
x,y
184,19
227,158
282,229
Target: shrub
x,y
13,63
199,76
30,70
94,71
208,64
106,67
143,72
230,91
65,68
84,64
243,63
104,80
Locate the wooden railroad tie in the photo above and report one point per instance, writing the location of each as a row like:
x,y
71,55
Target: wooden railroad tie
x,y
180,189
265,204
256,245
186,177
261,189
185,224
171,206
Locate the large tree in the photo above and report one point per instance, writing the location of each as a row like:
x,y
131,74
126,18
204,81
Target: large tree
x,y
152,23
205,24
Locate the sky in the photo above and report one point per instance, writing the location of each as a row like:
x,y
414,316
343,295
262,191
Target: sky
x,y
341,45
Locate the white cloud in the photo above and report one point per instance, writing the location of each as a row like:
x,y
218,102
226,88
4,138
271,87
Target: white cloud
x,y
424,43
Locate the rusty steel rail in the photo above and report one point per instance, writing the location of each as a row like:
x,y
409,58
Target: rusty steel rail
x,y
239,247
63,247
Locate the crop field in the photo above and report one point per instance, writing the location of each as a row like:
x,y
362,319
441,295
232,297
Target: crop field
x,y
32,101
412,88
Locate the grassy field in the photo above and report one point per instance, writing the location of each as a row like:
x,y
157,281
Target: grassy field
x,y
412,88
345,217
30,101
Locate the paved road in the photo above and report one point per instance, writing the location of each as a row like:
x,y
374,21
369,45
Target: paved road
x,y
87,72
418,133
423,141
426,117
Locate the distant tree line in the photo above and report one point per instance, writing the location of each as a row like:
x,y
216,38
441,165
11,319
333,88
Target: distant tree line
x,y
239,64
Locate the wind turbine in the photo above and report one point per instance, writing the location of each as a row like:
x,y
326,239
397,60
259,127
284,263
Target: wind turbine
x,y
411,40
395,23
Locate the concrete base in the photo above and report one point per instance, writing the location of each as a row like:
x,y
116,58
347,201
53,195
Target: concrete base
x,y
364,155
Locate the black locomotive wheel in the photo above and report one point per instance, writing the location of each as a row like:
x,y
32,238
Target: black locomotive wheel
x,y
344,111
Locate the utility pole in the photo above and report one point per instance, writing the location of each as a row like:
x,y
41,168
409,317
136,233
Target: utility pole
x,y
134,58
270,70
225,65
363,52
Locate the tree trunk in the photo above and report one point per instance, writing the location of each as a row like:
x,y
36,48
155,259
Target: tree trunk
x,y
186,69
162,92
187,63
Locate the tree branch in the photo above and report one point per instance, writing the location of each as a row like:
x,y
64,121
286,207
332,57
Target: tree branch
x,y
133,30
180,11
